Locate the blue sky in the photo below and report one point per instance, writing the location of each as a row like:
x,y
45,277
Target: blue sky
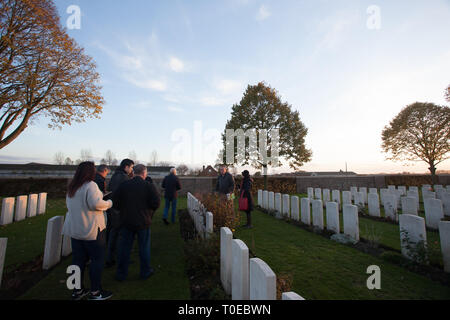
x,y
166,64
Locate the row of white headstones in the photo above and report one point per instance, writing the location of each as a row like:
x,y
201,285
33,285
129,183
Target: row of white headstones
x,y
412,227
241,277
244,278
203,220
25,207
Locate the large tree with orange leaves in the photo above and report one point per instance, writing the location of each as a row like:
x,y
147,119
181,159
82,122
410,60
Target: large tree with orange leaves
x,y
43,72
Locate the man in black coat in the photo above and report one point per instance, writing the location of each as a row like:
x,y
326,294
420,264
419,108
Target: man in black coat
x,y
137,201
100,177
122,174
171,184
225,182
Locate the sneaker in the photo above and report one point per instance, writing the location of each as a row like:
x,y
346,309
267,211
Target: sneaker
x,y
166,222
100,295
79,294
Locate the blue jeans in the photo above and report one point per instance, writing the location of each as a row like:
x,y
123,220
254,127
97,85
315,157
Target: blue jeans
x,y
174,208
125,245
82,251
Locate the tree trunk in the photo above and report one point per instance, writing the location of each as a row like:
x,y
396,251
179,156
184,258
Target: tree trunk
x,y
432,169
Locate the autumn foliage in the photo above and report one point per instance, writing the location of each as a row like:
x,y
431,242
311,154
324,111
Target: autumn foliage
x,y
225,215
43,72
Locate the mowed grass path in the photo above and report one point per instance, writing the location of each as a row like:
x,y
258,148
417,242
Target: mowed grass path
x,y
167,258
324,269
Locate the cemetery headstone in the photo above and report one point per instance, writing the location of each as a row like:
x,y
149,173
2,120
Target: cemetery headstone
x,y
3,244
295,212
53,242
306,211
32,205
7,211
291,296
42,203
444,234
434,212
351,221
225,258
263,281
21,208
333,217
240,287
317,214
409,205
286,205
374,204
413,235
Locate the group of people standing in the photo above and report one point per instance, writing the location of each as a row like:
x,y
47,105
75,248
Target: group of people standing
x,y
103,221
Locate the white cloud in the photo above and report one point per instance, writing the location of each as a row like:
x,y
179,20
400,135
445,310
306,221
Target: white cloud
x,y
175,109
157,85
212,101
176,64
263,13
228,87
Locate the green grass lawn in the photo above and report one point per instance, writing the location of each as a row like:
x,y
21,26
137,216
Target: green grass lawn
x,y
167,258
324,269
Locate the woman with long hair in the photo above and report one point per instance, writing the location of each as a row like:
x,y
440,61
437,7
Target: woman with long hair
x,y
85,224
246,192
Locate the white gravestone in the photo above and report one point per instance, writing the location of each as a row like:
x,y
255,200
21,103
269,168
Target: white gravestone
x,y
446,203
278,205
295,212
336,196
263,281
364,192
374,204
359,199
390,207
260,192
42,203
440,193
225,258
433,212
32,205
21,208
318,194
271,200
7,211
240,280
409,205
383,194
310,193
414,193
373,190
291,296
346,197
3,244
53,242
317,214
286,205
306,211
353,191
265,199
326,196
428,195
412,232
444,234
333,217
209,226
351,222
391,188
402,190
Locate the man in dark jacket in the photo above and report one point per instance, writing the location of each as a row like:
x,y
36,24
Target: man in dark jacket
x,y
137,201
100,177
171,184
225,182
121,175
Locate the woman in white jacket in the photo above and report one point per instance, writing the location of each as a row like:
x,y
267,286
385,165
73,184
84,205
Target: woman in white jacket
x,y
85,224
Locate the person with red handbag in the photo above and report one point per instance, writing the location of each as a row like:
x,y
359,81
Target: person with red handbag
x,y
246,199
